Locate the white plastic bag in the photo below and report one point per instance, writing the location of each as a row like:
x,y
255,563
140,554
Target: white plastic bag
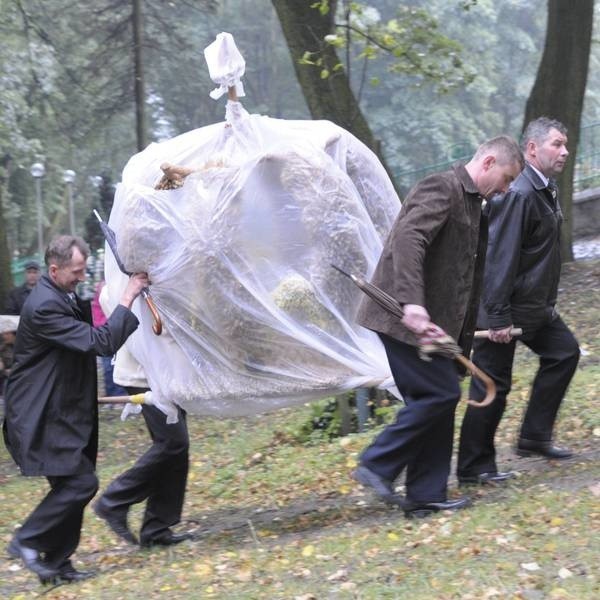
x,y
254,316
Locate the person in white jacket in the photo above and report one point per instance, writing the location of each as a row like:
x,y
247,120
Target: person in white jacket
x,y
158,477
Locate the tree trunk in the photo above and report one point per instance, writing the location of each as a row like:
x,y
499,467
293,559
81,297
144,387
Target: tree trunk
x,y
140,100
6,282
559,88
331,97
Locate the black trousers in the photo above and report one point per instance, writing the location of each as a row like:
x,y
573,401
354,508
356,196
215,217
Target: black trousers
x,y
159,476
54,527
558,353
421,438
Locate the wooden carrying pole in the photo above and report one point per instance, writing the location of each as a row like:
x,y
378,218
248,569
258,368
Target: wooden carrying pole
x,y
484,333
133,399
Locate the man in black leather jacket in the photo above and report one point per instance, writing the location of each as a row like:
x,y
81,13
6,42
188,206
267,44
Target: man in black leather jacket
x,y
520,288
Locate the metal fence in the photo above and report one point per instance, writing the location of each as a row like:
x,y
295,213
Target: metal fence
x,y
587,165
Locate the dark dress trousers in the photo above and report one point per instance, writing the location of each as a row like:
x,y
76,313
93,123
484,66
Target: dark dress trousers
x,y
159,476
51,413
521,279
432,257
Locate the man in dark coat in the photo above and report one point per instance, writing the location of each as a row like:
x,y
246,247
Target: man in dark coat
x,y
17,296
520,288
430,264
158,477
51,416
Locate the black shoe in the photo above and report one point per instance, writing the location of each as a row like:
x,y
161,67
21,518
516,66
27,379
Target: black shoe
x,y
382,487
492,478
116,522
70,574
166,538
545,449
419,510
32,560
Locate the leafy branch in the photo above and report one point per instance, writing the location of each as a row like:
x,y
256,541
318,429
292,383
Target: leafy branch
x,y
411,43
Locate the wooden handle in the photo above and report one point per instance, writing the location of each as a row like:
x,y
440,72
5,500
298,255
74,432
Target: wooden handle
x,y
133,399
156,321
232,94
490,386
485,333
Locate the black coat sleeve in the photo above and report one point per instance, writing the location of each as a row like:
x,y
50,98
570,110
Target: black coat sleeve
x,y
58,326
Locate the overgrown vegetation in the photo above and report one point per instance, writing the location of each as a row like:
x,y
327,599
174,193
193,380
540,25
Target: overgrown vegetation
x,y
279,519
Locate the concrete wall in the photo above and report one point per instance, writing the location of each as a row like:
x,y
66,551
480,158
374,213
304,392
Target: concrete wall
x,y
586,213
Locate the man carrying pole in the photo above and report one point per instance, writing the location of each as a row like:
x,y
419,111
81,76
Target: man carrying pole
x,y
522,272
432,265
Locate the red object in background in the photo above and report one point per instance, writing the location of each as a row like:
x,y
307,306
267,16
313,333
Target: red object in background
x,y
98,316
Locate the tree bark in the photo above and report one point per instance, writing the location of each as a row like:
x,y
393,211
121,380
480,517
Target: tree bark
x,y
559,88
328,98
6,282
140,99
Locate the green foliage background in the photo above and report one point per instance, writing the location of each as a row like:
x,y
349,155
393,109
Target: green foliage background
x,y
66,93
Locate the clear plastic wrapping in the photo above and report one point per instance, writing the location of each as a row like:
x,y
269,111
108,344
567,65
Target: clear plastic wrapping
x,y
254,316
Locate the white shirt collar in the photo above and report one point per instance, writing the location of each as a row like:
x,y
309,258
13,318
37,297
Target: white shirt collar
x,y
544,179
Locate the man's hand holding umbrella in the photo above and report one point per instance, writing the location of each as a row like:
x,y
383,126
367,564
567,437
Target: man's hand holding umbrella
x,y
135,286
416,318
432,338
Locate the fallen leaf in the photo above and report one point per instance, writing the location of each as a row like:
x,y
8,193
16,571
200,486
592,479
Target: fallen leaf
x,y
595,489
244,573
564,573
339,575
203,570
308,550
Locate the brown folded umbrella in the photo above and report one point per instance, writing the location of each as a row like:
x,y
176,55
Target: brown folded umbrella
x,y
446,345
111,240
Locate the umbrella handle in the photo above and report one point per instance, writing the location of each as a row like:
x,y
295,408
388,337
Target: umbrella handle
x,y
490,386
156,320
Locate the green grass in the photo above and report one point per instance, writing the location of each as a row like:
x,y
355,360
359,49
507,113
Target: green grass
x,y
280,520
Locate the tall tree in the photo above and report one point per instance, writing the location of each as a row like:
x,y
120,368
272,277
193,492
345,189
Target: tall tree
x,y
328,97
5,275
138,67
314,32
103,201
559,88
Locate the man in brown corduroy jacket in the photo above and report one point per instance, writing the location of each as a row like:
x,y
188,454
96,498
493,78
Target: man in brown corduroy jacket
x,y
432,263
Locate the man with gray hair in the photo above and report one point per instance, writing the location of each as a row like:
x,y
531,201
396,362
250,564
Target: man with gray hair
x,y
432,264
522,272
51,411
